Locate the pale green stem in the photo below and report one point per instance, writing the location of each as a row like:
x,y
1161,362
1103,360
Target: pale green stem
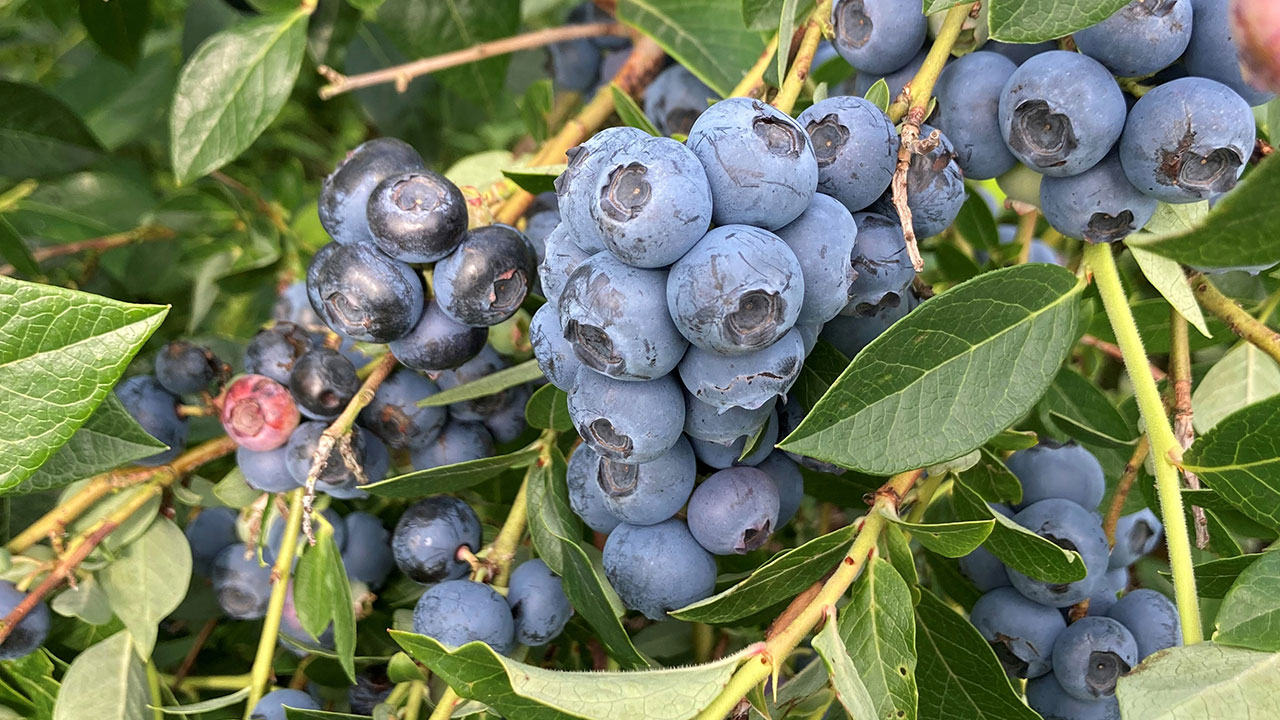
x,y
261,673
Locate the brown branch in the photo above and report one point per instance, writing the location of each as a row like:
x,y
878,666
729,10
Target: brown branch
x,y
189,661
1025,234
146,233
1124,486
1113,350
1238,321
1183,427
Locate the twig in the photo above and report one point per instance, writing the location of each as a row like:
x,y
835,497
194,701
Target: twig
x,y
754,79
1238,321
189,661
1113,350
800,66
1026,233
401,75
146,233
1183,429
1123,487
262,661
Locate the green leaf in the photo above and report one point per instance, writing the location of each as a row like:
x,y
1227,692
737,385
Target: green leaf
x,y
786,29
39,136
953,539
449,478
822,368
878,95
1081,408
487,385
234,492
1240,460
527,692
33,690
86,601
148,580
1201,681
1154,318
957,672
1244,376
128,531
1250,613
1018,547
991,480
105,682
880,633
850,689
209,705
975,223
1237,231
706,36
1170,279
61,352
1032,21
901,557
535,179
548,409
231,89
323,595
294,714
629,112
14,250
108,439
117,27
783,576
1214,578
1013,440
933,6
965,365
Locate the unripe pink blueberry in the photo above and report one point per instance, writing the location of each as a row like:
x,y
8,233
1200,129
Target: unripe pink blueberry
x,y
1255,26
258,413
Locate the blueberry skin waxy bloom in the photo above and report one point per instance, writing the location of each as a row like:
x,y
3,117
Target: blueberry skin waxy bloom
x,y
586,497
344,196
1021,632
968,92
183,368
367,554
630,422
737,291
1187,140
1098,205
438,342
272,705
428,535
822,239
322,382
613,315
935,187
675,99
1091,655
1140,38
394,414
1152,619
458,442
880,259
849,333
417,217
572,186
651,202
759,163
561,257
725,455
487,362
704,421
856,147
648,493
747,381
1061,112
1050,470
363,294
242,586
31,632
1213,53
878,36
207,534
273,351
657,568
1070,526
456,612
538,603
896,79
485,279
156,410
555,355
1137,534
734,511
786,476
1047,697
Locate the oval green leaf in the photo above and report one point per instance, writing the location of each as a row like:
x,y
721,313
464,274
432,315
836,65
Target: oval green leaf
x,y
953,539
1201,681
105,682
39,136
1032,21
1250,612
1017,546
148,580
487,385
1240,460
707,36
449,478
850,690
880,634
1080,407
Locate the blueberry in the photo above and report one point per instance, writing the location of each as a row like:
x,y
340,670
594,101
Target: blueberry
x,y
394,414
562,257
28,634
968,92
241,584
631,422
344,196
1103,597
725,455
1117,580
748,381
878,36
538,603
650,492
367,553
850,333
984,570
456,612
1040,252
377,462
1072,527
156,410
301,451
323,383
207,534
588,12
273,351
183,368
258,413
438,342
292,306
1137,534
1213,53
790,415
555,355
428,536
657,568
856,148
272,705
1052,470
586,496
1061,112
417,216
1140,38
575,64
734,511
275,534
266,471
1099,205
1091,655
759,162
585,162
507,424
540,225
935,187
823,240
737,291
884,271
786,476
1151,618
486,278
372,688
459,442
486,363
1019,53
1021,632
895,79
1187,140
650,201
363,294
1047,697
704,421
675,99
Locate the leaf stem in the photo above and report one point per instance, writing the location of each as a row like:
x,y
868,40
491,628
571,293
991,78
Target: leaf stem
x,y
924,496
754,79
153,687
803,62
1165,449
1113,350
1238,321
509,537
260,675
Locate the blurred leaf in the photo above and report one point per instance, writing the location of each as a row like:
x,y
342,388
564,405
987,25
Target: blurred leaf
x,y
952,539
901,557
535,179
1244,376
117,27
230,91
105,682
480,169
1199,681
82,206
1170,279
1250,613
1012,440
536,106
118,105
878,95
991,480
322,595
34,690
86,601
148,580
128,531
39,136
706,36
1152,316
764,14
1214,578
1017,546
850,689
234,492
209,705
1081,408
629,112
14,250
449,478
933,6
954,265
786,30
548,409
1240,460
293,714
879,631
822,368
975,223
1032,21
487,385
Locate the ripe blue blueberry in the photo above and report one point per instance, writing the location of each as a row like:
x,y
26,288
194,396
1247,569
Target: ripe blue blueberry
x,y
1099,205
538,604
323,382
456,612
272,352
572,185
1051,470
367,553
183,368
586,496
156,410
759,163
786,476
561,257
737,291
1103,597
1061,112
394,415
241,584
895,79
1019,52
631,422
486,363
849,333
207,534
984,570
363,294
377,462
1187,140
1140,38
734,511
935,187
1213,53
267,470
650,492
880,259
275,534
704,421
822,239
292,306
301,451
1137,534
575,64
1021,632
485,279
507,423
458,442
272,705
968,92
1071,527
438,342
539,227
790,415
417,216
1047,697
724,455
878,36
856,148
747,381
344,196
1091,655
428,536
372,688
1151,618
28,634
1040,252
675,99
555,354
658,568
614,317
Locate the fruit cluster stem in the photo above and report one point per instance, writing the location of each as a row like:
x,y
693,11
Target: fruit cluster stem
x,y
754,79
1165,450
260,675
803,62
1238,321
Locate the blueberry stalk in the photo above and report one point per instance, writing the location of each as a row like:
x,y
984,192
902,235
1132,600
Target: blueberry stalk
x,y
1180,376
799,72
1123,486
1238,321
754,79
261,672
1165,450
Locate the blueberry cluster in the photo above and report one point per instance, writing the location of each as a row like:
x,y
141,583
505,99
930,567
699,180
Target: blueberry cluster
x,y
582,65
1072,669
154,401
1102,160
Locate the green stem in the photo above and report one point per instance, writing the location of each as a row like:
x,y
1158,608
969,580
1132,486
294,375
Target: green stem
x,y
414,705
209,682
794,82
153,686
703,640
262,662
921,86
1165,450
755,76
444,708
1240,322
924,496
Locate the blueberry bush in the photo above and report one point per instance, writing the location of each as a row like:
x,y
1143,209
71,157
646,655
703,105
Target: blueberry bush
x,y
669,359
